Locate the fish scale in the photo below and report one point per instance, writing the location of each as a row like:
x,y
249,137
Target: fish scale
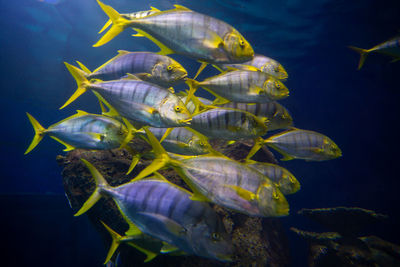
x,y
304,144
245,86
228,124
222,181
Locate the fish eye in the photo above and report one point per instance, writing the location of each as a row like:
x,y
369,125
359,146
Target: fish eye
x,y
277,85
215,236
170,67
241,43
275,195
178,108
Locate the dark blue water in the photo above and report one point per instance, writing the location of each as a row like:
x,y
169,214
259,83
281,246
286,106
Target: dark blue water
x,y
359,110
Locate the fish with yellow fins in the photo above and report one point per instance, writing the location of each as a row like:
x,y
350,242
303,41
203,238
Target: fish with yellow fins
x,y
300,144
147,66
137,100
390,47
262,63
185,32
222,181
146,244
165,211
246,86
84,130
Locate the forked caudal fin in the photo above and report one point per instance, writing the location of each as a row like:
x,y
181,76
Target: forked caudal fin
x,y
363,55
162,158
118,24
39,133
101,186
81,81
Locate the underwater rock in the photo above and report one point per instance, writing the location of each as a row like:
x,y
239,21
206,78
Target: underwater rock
x,y
348,221
344,248
257,241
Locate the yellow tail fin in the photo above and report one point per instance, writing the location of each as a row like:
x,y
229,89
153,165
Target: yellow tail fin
x,y
116,240
39,133
118,24
81,81
83,67
363,55
101,186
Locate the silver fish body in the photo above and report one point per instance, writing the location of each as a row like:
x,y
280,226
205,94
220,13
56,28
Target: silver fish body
x,y
278,116
304,144
284,180
230,124
144,102
151,67
264,64
165,211
182,141
90,132
233,185
246,86
196,36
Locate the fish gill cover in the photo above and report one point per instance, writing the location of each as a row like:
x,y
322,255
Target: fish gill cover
x,y
223,45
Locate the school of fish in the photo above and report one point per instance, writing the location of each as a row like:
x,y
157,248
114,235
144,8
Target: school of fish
x,y
135,91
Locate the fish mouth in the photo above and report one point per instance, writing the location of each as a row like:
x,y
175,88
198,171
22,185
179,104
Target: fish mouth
x,y
184,77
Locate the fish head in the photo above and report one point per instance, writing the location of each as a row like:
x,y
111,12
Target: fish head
x,y
281,119
271,201
329,149
275,69
288,184
237,47
168,72
199,145
174,112
258,125
275,88
210,239
114,134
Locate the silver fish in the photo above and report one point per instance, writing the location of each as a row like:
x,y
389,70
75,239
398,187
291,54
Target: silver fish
x,y
82,130
147,66
165,211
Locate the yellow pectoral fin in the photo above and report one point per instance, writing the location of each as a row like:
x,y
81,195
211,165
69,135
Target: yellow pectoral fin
x,y
67,146
168,248
199,197
255,90
164,50
243,193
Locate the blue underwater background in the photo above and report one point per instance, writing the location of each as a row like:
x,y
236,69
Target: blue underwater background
x,y
359,110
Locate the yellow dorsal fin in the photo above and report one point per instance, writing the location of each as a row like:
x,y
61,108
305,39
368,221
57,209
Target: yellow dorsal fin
x,y
81,113
67,146
152,8
164,50
180,8
120,53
